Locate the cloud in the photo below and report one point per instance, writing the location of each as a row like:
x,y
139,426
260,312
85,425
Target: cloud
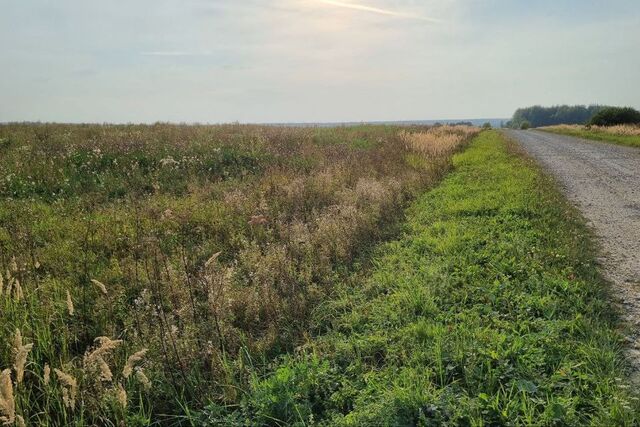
x,y
378,10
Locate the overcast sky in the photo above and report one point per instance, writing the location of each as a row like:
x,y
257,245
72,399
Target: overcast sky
x,y
311,60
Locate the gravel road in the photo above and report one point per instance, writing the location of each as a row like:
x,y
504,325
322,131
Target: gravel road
x,y
603,180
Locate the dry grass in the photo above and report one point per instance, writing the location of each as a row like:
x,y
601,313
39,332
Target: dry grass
x,y
208,246
627,130
437,142
621,134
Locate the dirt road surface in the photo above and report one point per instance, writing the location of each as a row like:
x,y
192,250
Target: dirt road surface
x,y
603,180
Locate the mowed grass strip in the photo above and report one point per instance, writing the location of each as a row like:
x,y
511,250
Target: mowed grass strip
x,y
489,311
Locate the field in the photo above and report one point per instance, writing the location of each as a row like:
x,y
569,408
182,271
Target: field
x,y
622,134
487,311
245,275
152,271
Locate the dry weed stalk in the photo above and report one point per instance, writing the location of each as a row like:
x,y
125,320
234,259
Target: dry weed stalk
x,y
46,377
17,290
143,379
20,353
100,286
93,361
70,307
121,395
131,361
7,402
70,389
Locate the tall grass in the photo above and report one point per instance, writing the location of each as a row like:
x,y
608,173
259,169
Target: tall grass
x,y
619,134
152,270
629,130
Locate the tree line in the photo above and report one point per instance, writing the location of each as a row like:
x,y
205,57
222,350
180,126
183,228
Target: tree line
x,y
537,116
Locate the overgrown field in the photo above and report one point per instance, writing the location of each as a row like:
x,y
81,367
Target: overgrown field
x,y
150,272
621,134
488,311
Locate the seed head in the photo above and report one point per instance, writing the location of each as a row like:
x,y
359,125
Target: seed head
x,y
17,289
213,259
70,388
121,395
7,402
70,307
131,361
143,379
20,353
46,377
100,286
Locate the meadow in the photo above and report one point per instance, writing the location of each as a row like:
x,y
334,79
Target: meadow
x,y
150,274
488,310
620,134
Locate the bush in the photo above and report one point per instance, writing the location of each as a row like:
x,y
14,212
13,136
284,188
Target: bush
x,y
487,125
616,116
525,125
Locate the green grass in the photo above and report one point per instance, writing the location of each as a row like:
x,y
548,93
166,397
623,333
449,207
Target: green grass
x,y
628,140
488,311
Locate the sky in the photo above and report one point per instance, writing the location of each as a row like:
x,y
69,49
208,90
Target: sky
x,y
259,61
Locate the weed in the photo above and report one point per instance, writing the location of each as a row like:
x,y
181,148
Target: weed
x,y
207,246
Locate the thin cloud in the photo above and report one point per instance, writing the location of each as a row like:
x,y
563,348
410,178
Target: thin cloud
x,y
378,10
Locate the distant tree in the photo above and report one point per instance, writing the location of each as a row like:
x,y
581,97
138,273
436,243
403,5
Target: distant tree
x,y
525,125
486,125
548,116
616,116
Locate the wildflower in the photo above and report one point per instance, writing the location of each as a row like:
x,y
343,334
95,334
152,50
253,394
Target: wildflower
x,y
20,352
131,361
69,390
70,307
100,286
7,402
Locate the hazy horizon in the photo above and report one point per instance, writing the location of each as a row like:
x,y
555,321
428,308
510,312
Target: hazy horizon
x,y
311,61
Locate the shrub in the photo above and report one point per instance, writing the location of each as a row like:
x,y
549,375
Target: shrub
x,y
525,125
616,116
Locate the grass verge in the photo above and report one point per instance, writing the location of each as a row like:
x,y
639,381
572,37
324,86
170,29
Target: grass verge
x,y
488,311
597,135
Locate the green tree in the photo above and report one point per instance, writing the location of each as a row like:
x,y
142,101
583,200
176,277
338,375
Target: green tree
x,y
616,116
